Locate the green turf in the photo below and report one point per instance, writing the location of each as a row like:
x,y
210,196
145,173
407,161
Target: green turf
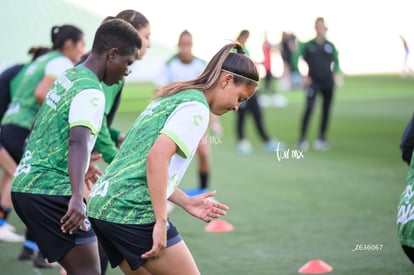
x,y
288,212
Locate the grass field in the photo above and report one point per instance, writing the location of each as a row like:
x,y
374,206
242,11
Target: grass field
x,y
287,212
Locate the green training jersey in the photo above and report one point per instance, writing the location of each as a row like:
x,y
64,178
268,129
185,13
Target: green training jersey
x,y
23,107
75,99
17,80
405,216
104,143
121,194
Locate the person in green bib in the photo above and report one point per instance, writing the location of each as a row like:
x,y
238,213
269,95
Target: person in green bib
x,y
9,80
68,44
109,138
127,207
48,186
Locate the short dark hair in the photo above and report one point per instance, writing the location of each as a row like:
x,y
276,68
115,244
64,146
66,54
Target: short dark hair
x,y
116,33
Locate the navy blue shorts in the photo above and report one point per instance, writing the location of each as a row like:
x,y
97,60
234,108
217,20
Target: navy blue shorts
x,y
129,241
41,214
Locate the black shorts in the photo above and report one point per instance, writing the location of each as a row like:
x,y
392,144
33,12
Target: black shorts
x,y
129,241
41,214
13,138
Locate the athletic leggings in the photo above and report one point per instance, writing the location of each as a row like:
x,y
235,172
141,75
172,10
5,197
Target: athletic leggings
x,y
252,106
311,93
268,81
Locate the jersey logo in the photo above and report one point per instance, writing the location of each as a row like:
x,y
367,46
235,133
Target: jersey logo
x,y
99,189
197,119
95,101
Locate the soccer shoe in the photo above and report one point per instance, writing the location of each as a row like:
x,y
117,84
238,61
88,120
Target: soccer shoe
x,y
10,227
321,145
303,145
9,236
279,101
274,145
26,254
244,147
264,101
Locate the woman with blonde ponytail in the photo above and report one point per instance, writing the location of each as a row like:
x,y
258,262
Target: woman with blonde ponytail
x,y
127,206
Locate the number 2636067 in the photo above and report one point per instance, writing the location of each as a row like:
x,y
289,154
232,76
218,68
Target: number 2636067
x,y
367,247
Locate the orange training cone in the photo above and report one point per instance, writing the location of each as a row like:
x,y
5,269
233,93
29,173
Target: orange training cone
x,y
315,267
218,226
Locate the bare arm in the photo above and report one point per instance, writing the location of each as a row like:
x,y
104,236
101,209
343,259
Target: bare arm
x,y
200,206
77,162
43,88
158,160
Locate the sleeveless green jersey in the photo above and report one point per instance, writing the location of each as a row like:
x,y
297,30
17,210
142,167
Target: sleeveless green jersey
x,y
121,194
23,107
75,99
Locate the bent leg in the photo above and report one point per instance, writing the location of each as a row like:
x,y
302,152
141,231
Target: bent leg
x,y
82,259
258,118
176,260
127,270
7,163
5,189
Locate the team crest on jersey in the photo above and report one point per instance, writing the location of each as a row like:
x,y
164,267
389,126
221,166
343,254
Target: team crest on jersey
x,y
197,119
328,48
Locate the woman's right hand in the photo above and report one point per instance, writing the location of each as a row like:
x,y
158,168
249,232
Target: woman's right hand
x,y
159,239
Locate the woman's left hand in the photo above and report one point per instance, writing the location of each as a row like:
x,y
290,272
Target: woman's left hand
x,y
205,208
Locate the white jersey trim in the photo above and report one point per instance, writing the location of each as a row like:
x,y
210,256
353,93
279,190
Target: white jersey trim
x,y
57,66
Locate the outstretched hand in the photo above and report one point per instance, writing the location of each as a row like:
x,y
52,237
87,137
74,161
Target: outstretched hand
x,y
204,208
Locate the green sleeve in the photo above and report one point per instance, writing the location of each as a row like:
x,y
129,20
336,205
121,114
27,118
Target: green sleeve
x,y
104,143
336,61
295,56
115,133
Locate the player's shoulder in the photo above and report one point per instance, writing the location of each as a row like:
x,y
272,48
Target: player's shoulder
x,y
330,43
82,76
171,59
199,60
191,95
